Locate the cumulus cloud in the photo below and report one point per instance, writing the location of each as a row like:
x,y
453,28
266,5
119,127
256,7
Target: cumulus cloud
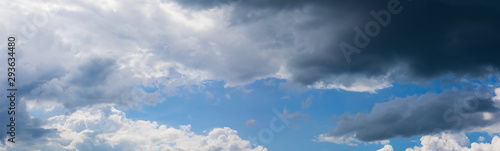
x,y
453,110
103,127
386,148
454,142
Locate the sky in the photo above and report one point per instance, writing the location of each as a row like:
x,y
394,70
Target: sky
x,y
263,75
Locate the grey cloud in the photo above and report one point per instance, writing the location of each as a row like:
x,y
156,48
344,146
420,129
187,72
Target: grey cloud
x,y
452,110
94,72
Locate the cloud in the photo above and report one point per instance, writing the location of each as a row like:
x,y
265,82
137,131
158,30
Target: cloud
x,y
103,127
455,53
453,110
497,97
346,139
454,142
251,123
321,61
293,116
99,53
306,104
481,139
104,52
442,48
386,148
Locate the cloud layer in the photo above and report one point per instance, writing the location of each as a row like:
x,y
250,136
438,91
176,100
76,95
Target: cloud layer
x,y
82,53
178,43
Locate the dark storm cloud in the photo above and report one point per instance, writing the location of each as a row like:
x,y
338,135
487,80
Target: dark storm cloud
x,y
426,39
404,117
429,39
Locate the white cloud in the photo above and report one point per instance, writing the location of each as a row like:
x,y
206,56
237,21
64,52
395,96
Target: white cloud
x,y
481,139
355,83
454,142
488,116
103,127
497,97
386,148
346,139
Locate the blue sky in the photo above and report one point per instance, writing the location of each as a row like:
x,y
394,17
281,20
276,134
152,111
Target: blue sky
x,y
257,75
197,108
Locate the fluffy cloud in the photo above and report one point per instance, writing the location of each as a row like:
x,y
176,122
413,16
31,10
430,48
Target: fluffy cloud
x,y
415,115
454,142
386,148
103,127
